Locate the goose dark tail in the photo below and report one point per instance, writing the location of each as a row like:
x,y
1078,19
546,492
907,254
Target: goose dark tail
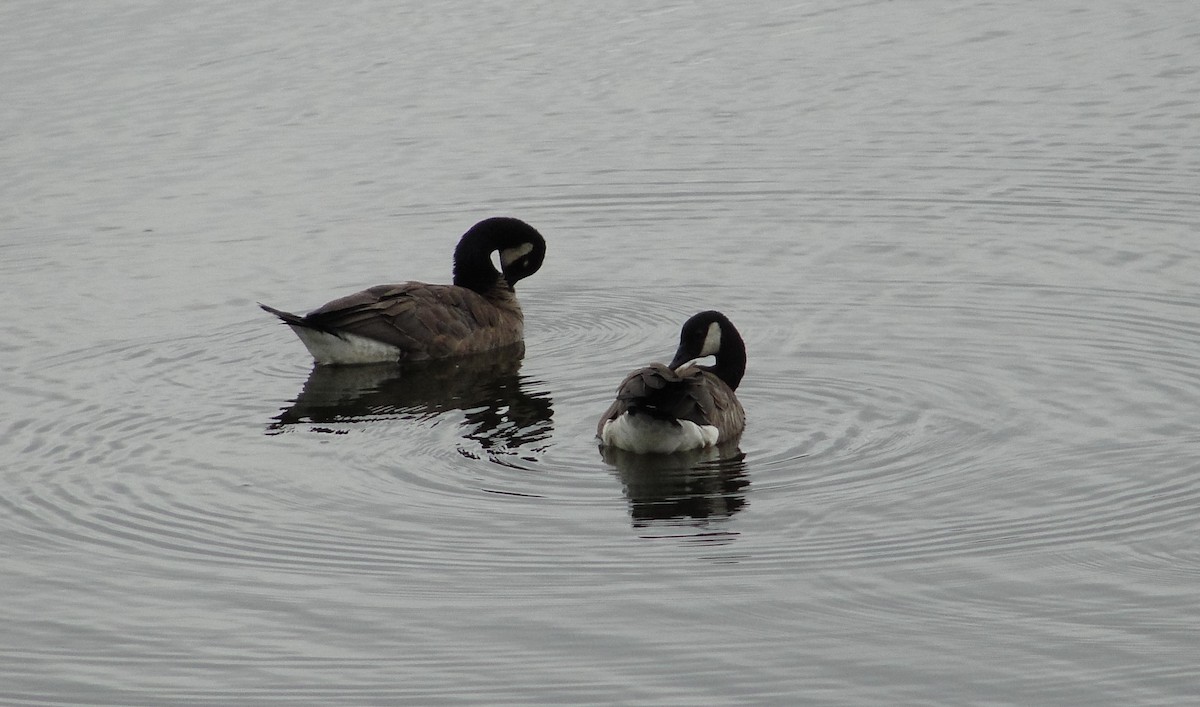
x,y
287,317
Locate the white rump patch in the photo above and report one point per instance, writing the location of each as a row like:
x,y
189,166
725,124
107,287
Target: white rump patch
x,y
353,349
643,434
712,340
509,255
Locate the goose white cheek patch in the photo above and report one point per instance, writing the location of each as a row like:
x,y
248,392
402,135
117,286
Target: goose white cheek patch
x,y
509,255
712,340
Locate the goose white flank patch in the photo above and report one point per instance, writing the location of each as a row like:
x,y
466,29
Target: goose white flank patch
x,y
662,409
415,321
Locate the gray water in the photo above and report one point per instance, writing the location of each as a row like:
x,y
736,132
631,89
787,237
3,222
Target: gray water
x,y
960,240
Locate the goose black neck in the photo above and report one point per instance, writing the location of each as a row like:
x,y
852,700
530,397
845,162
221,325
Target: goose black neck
x,y
730,362
473,267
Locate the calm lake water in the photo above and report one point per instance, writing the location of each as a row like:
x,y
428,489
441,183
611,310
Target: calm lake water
x,y
960,240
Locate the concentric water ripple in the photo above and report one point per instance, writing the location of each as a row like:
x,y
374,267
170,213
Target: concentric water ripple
x,y
982,400
954,414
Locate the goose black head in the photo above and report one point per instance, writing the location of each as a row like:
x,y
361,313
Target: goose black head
x,y
521,249
710,333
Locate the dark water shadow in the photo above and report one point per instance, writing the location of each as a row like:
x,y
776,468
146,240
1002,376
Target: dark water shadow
x,y
502,410
691,488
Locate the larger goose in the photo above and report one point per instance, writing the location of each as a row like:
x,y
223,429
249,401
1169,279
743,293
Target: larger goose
x,y
682,406
414,321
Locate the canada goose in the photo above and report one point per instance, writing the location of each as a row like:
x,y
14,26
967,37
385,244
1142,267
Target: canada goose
x,y
664,409
414,321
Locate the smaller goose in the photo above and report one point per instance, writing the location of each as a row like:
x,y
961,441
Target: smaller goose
x,y
414,321
664,409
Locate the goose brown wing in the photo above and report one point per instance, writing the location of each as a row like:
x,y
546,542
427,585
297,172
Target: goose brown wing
x,y
712,401
718,402
421,319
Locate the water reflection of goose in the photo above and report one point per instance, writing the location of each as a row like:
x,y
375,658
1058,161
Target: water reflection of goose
x,y
684,488
501,411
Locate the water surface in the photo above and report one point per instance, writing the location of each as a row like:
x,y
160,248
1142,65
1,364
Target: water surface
x,y
959,241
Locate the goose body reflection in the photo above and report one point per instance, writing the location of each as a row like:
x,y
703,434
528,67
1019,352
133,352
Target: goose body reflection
x,y
685,488
415,321
502,410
